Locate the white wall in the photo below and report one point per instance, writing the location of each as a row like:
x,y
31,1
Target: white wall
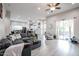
x,y
7,26
76,27
2,31
4,25
51,22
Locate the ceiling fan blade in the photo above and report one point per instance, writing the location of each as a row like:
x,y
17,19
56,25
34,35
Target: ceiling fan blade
x,y
47,9
58,7
57,4
49,5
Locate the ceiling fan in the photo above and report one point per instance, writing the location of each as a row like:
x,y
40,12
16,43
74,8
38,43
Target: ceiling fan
x,y
53,6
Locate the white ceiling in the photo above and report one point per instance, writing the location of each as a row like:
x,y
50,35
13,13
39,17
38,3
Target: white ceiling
x,y
26,10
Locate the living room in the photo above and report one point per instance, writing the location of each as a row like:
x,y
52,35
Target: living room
x,y
33,28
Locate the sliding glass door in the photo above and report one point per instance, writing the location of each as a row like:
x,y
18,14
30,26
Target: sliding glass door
x,y
65,29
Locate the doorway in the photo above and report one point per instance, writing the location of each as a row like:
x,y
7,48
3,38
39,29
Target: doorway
x,y
43,29
64,29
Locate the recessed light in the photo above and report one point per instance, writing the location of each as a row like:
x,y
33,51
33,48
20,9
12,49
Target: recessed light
x,y
38,8
73,3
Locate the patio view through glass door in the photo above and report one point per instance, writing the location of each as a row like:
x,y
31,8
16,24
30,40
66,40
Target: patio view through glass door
x,y
65,29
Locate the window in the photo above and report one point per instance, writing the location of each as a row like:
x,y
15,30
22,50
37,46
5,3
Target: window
x,y
65,29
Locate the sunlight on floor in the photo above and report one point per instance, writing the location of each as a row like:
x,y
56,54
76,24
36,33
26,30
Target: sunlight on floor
x,y
57,48
64,46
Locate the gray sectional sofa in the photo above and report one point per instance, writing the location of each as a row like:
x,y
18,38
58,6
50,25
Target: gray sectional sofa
x,y
5,43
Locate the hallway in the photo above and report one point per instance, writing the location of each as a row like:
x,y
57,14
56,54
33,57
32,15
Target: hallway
x,y
57,48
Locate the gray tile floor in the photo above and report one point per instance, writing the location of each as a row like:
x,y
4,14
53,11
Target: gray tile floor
x,y
56,48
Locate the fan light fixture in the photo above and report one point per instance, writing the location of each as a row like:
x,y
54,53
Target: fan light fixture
x,y
52,8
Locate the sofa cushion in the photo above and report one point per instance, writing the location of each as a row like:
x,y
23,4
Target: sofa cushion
x,y
2,52
18,36
23,35
17,41
5,43
13,37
